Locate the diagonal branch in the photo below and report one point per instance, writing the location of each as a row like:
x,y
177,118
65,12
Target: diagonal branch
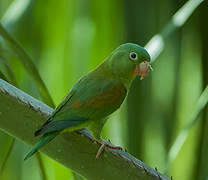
x,y
156,44
21,115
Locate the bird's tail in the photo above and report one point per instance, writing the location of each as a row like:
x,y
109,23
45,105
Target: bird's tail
x,y
42,141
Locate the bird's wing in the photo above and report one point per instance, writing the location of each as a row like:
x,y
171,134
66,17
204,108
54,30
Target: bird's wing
x,y
93,99
63,102
88,99
58,108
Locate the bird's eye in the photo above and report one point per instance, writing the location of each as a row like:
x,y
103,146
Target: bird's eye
x,y
133,56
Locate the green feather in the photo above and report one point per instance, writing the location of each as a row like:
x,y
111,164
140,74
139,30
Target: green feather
x,y
53,126
95,96
42,141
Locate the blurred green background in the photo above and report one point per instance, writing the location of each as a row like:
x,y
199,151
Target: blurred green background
x,y
68,38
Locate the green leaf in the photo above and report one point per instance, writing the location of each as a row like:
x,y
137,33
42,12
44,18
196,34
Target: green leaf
x,y
10,74
2,76
182,136
41,166
7,156
29,65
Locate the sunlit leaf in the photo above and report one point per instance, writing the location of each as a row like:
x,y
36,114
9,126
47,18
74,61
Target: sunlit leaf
x,y
183,134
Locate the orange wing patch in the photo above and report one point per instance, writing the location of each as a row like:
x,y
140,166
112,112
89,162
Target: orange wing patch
x,y
112,96
77,104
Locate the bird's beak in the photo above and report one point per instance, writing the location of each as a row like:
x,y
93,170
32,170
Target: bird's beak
x,y
142,69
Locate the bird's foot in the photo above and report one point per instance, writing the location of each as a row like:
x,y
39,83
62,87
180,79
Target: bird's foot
x,y
114,147
103,145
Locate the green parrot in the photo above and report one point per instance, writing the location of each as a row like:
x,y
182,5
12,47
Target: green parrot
x,y
96,95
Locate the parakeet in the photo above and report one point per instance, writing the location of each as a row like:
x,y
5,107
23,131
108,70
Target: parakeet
x,y
96,95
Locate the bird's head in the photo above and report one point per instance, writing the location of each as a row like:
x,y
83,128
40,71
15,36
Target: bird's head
x,y
129,60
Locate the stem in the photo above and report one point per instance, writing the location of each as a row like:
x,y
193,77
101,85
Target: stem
x,y
75,150
156,45
179,141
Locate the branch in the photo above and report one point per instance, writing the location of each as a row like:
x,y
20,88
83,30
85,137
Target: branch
x,y
156,44
15,11
22,114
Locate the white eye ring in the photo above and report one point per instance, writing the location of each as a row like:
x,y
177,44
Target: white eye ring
x,y
133,56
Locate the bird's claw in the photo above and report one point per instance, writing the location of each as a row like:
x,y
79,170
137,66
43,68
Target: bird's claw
x,y
100,150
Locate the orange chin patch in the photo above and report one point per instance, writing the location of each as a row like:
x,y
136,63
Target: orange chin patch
x,y
142,69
